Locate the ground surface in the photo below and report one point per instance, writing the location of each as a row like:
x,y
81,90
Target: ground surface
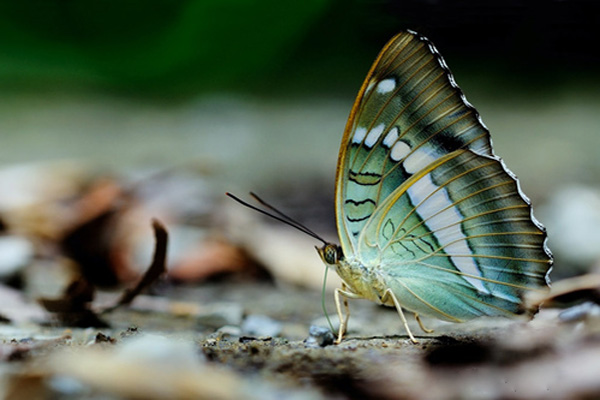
x,y
246,336
201,342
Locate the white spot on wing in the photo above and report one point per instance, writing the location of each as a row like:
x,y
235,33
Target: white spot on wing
x,y
374,135
386,85
359,135
391,137
445,226
419,159
399,151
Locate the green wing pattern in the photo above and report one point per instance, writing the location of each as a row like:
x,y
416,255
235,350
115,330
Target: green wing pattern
x,y
422,201
455,234
408,113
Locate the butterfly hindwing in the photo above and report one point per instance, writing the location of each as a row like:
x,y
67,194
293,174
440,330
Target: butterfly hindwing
x,y
457,231
408,113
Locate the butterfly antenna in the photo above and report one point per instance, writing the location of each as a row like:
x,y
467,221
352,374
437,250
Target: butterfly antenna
x,y
296,223
278,215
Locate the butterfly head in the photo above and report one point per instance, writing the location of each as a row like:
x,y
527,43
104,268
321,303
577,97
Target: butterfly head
x,y
330,253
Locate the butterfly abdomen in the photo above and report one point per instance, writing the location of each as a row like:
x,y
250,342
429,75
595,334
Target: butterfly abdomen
x,y
365,281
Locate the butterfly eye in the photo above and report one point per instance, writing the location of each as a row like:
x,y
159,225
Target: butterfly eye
x,y
332,254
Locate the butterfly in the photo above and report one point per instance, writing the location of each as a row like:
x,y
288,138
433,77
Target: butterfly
x,y
429,219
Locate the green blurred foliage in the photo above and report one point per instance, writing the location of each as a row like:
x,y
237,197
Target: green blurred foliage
x,y
148,45
183,47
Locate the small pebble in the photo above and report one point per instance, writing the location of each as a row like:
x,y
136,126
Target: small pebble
x,y
227,331
580,312
69,386
15,253
102,338
319,336
220,314
261,326
154,349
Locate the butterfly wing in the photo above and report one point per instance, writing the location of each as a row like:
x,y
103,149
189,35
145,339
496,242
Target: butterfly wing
x,y
421,196
457,240
408,113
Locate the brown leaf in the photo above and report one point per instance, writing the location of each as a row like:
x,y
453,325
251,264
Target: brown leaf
x,y
74,307
216,258
156,269
569,291
77,297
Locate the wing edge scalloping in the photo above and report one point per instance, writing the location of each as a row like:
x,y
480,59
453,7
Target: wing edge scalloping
x,y
452,80
341,226
534,220
522,194
511,178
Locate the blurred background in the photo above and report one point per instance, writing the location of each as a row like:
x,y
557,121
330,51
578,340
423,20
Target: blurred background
x,y
114,112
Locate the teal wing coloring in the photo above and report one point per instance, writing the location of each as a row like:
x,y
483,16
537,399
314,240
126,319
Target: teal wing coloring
x,y
408,113
457,240
422,199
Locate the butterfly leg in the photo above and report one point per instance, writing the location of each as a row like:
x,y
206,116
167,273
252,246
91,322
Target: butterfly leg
x,y
423,328
343,320
389,293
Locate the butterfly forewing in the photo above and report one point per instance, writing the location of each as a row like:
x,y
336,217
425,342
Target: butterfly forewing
x,y
408,113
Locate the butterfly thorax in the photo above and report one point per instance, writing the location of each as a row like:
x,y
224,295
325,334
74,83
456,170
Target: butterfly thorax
x,y
360,279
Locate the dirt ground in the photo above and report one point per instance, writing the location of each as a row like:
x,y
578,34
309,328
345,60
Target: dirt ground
x,y
201,342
